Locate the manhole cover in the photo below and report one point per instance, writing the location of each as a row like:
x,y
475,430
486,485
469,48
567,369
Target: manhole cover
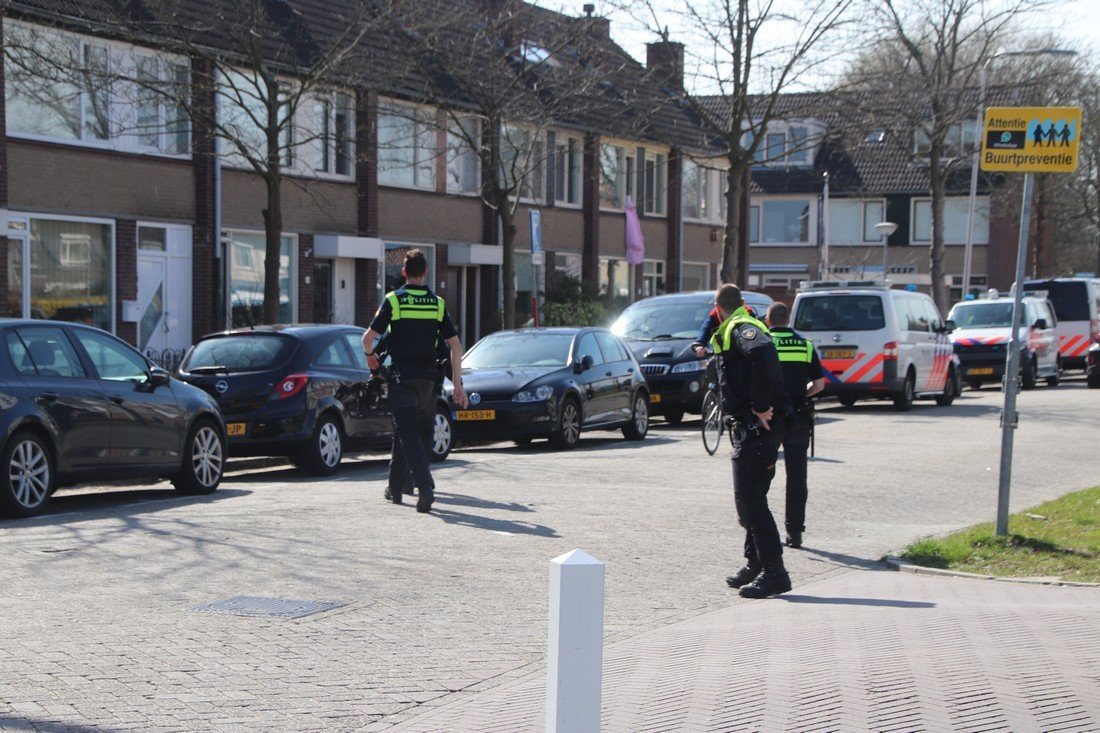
x,y
258,606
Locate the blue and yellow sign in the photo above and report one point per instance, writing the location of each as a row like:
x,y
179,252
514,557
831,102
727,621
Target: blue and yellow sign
x,y
1031,139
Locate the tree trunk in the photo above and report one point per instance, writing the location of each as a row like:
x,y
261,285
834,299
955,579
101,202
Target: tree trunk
x,y
939,287
731,260
273,231
1042,221
508,260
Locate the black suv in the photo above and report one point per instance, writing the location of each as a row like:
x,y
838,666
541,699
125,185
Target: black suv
x,y
660,331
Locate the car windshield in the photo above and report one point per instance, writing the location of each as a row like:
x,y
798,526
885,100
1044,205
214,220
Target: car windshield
x,y
656,321
519,349
840,313
984,315
239,353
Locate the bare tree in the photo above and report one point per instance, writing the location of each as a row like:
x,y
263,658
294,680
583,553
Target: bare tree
x,y
744,58
501,73
920,72
257,65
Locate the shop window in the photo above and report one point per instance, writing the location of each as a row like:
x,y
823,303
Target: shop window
x,y
246,279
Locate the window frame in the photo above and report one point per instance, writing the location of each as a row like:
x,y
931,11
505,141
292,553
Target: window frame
x,y
568,171
421,130
981,212
292,273
811,223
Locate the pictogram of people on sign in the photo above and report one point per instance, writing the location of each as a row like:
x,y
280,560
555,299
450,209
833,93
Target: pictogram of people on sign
x,y
1053,134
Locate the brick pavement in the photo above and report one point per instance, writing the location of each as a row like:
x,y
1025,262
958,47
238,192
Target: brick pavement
x,y
863,651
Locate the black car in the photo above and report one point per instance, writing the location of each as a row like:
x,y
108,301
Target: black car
x,y
551,383
76,403
301,391
660,331
1092,366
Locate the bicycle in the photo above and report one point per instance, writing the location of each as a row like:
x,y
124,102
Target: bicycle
x,y
712,423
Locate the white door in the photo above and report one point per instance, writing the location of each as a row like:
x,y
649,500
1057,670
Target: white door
x,y
164,289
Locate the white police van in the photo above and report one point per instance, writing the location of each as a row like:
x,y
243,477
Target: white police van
x,y
1076,302
877,342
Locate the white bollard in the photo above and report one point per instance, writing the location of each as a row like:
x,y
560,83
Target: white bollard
x,y
574,668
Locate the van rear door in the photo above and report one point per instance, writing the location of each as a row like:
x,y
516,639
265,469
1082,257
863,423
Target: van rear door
x,y
1077,305
849,330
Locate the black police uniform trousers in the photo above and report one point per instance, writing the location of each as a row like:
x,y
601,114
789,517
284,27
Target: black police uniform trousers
x,y
412,402
796,445
753,471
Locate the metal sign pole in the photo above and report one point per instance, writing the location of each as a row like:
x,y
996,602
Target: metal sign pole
x,y
1009,418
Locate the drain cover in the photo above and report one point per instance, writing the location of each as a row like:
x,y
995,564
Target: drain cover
x,y
259,606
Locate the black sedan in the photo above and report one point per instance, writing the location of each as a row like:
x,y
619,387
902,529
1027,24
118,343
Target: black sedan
x,y
551,383
300,391
76,403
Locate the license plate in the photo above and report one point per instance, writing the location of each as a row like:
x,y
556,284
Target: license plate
x,y
655,398
476,415
980,370
236,428
838,353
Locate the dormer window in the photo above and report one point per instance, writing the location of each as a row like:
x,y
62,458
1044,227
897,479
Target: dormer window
x,y
958,143
535,54
786,144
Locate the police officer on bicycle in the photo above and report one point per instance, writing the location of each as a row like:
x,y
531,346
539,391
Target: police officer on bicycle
x,y
802,378
417,321
754,400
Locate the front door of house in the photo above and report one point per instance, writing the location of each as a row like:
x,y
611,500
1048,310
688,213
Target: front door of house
x,y
164,291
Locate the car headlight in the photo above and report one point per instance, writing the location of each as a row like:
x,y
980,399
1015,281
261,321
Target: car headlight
x,y
534,395
689,366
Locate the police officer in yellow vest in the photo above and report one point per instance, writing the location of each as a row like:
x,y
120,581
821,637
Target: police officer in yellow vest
x,y
417,320
803,378
754,400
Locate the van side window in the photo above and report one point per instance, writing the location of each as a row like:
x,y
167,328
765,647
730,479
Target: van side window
x,y
918,317
935,321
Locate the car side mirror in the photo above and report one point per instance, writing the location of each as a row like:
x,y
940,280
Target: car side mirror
x,y
1041,324
586,363
951,326
159,377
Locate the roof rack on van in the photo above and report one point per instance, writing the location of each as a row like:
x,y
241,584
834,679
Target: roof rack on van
x,y
837,284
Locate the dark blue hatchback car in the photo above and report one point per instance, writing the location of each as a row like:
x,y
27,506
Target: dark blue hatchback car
x,y
301,391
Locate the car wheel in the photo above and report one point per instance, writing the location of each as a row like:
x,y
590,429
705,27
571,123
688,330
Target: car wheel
x,y
846,401
442,434
568,430
638,426
904,401
1052,380
1028,379
326,448
950,390
203,460
28,477
674,417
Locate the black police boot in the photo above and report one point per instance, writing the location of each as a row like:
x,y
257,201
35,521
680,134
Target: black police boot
x,y
744,576
794,539
424,500
391,495
773,581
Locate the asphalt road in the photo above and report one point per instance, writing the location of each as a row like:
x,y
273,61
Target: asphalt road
x,y
102,628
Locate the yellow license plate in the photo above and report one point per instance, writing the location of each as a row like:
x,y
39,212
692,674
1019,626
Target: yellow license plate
x,y
655,398
980,370
476,415
838,353
236,428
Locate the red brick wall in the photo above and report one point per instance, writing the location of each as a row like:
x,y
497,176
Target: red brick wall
x,y
366,291
126,285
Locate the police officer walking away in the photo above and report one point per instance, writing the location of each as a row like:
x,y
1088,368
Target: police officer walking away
x,y
802,378
418,321
754,399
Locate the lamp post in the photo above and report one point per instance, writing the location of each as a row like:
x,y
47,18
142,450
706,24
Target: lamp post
x,y
885,228
974,163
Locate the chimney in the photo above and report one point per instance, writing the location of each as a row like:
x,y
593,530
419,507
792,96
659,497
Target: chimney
x,y
599,28
665,59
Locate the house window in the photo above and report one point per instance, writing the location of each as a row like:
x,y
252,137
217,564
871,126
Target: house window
x,y
853,222
463,163
567,174
786,221
696,191
162,98
246,278
71,271
611,177
754,224
406,146
521,156
242,111
655,171
653,277
335,130
956,211
694,277
958,142
786,144
614,277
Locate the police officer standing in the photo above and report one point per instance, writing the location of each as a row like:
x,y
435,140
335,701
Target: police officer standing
x,y
753,398
802,378
417,321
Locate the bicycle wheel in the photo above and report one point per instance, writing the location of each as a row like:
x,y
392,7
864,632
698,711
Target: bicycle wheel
x,y
712,421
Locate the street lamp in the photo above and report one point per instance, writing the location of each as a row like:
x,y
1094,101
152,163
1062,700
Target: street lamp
x,y
885,228
974,163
